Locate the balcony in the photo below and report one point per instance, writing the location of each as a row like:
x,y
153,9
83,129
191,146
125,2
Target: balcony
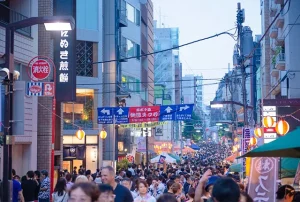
x,y
123,50
123,14
281,2
279,23
280,62
273,9
274,32
274,72
10,16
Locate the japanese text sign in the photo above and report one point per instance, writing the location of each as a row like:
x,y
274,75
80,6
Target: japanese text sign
x,y
263,179
245,144
105,115
65,54
144,114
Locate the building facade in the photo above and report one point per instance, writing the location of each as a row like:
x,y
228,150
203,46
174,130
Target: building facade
x,y
25,130
280,49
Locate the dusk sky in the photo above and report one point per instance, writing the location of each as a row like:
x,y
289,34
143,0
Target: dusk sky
x,y
199,19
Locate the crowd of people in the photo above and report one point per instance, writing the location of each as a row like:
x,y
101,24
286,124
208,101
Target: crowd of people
x,y
195,179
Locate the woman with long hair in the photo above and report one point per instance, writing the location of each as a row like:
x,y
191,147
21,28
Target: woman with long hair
x,y
60,191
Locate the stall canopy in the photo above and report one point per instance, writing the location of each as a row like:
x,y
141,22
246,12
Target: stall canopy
x,y
236,167
195,147
232,157
168,159
286,146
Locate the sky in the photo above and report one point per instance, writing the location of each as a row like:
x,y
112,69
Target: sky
x,y
198,19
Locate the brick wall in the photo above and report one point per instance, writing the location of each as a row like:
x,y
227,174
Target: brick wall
x,y
45,48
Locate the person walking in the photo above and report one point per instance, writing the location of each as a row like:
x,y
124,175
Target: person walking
x,y
122,193
60,191
44,194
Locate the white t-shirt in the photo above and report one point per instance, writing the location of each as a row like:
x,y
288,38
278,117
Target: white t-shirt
x,y
62,198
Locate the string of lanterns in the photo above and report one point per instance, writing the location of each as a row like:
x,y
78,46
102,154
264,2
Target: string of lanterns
x,y
282,127
80,134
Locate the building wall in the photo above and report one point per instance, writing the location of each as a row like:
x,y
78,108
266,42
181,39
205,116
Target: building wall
x,y
188,89
25,108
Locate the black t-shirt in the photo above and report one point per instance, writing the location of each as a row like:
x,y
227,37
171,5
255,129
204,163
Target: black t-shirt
x,y
29,188
122,194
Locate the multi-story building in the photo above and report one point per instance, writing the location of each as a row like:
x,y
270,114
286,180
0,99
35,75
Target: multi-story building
x,y
280,49
25,129
168,70
188,89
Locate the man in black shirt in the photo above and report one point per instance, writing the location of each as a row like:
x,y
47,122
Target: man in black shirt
x,y
29,187
121,192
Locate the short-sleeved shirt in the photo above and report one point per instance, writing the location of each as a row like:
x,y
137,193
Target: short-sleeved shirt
x,y
16,189
29,188
122,194
45,184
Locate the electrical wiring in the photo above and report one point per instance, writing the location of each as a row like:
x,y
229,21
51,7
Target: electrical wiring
x,y
169,49
170,81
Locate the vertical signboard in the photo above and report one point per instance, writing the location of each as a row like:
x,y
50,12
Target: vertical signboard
x,y
263,179
270,133
65,54
245,144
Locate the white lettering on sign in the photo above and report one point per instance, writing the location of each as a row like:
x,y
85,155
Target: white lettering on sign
x,y
261,190
269,108
64,56
270,135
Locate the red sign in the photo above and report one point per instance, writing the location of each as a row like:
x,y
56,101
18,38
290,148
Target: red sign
x,y
35,89
48,89
270,130
40,69
144,114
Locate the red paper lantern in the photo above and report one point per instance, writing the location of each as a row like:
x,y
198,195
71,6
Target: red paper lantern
x,y
268,121
282,127
258,132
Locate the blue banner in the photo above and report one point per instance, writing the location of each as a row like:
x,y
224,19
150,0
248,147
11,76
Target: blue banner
x,y
167,112
184,112
120,115
105,115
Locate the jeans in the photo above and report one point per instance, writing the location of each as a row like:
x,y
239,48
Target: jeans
x,y
44,200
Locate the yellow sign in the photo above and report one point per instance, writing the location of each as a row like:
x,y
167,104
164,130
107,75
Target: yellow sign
x,y
143,125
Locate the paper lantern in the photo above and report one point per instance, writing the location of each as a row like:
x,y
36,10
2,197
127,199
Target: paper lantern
x,y
103,134
282,127
80,134
253,141
258,132
268,121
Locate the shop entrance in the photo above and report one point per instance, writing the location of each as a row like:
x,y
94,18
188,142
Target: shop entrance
x,y
70,164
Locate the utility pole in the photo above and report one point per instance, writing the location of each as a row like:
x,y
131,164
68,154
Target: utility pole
x,y
240,20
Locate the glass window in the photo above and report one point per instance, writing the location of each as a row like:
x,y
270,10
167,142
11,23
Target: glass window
x,y
137,17
138,50
80,112
130,12
130,48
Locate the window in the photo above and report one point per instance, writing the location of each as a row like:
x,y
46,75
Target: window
x,y
81,112
130,12
133,14
84,58
131,84
133,49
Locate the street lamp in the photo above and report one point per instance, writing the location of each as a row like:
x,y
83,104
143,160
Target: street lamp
x,y
62,23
